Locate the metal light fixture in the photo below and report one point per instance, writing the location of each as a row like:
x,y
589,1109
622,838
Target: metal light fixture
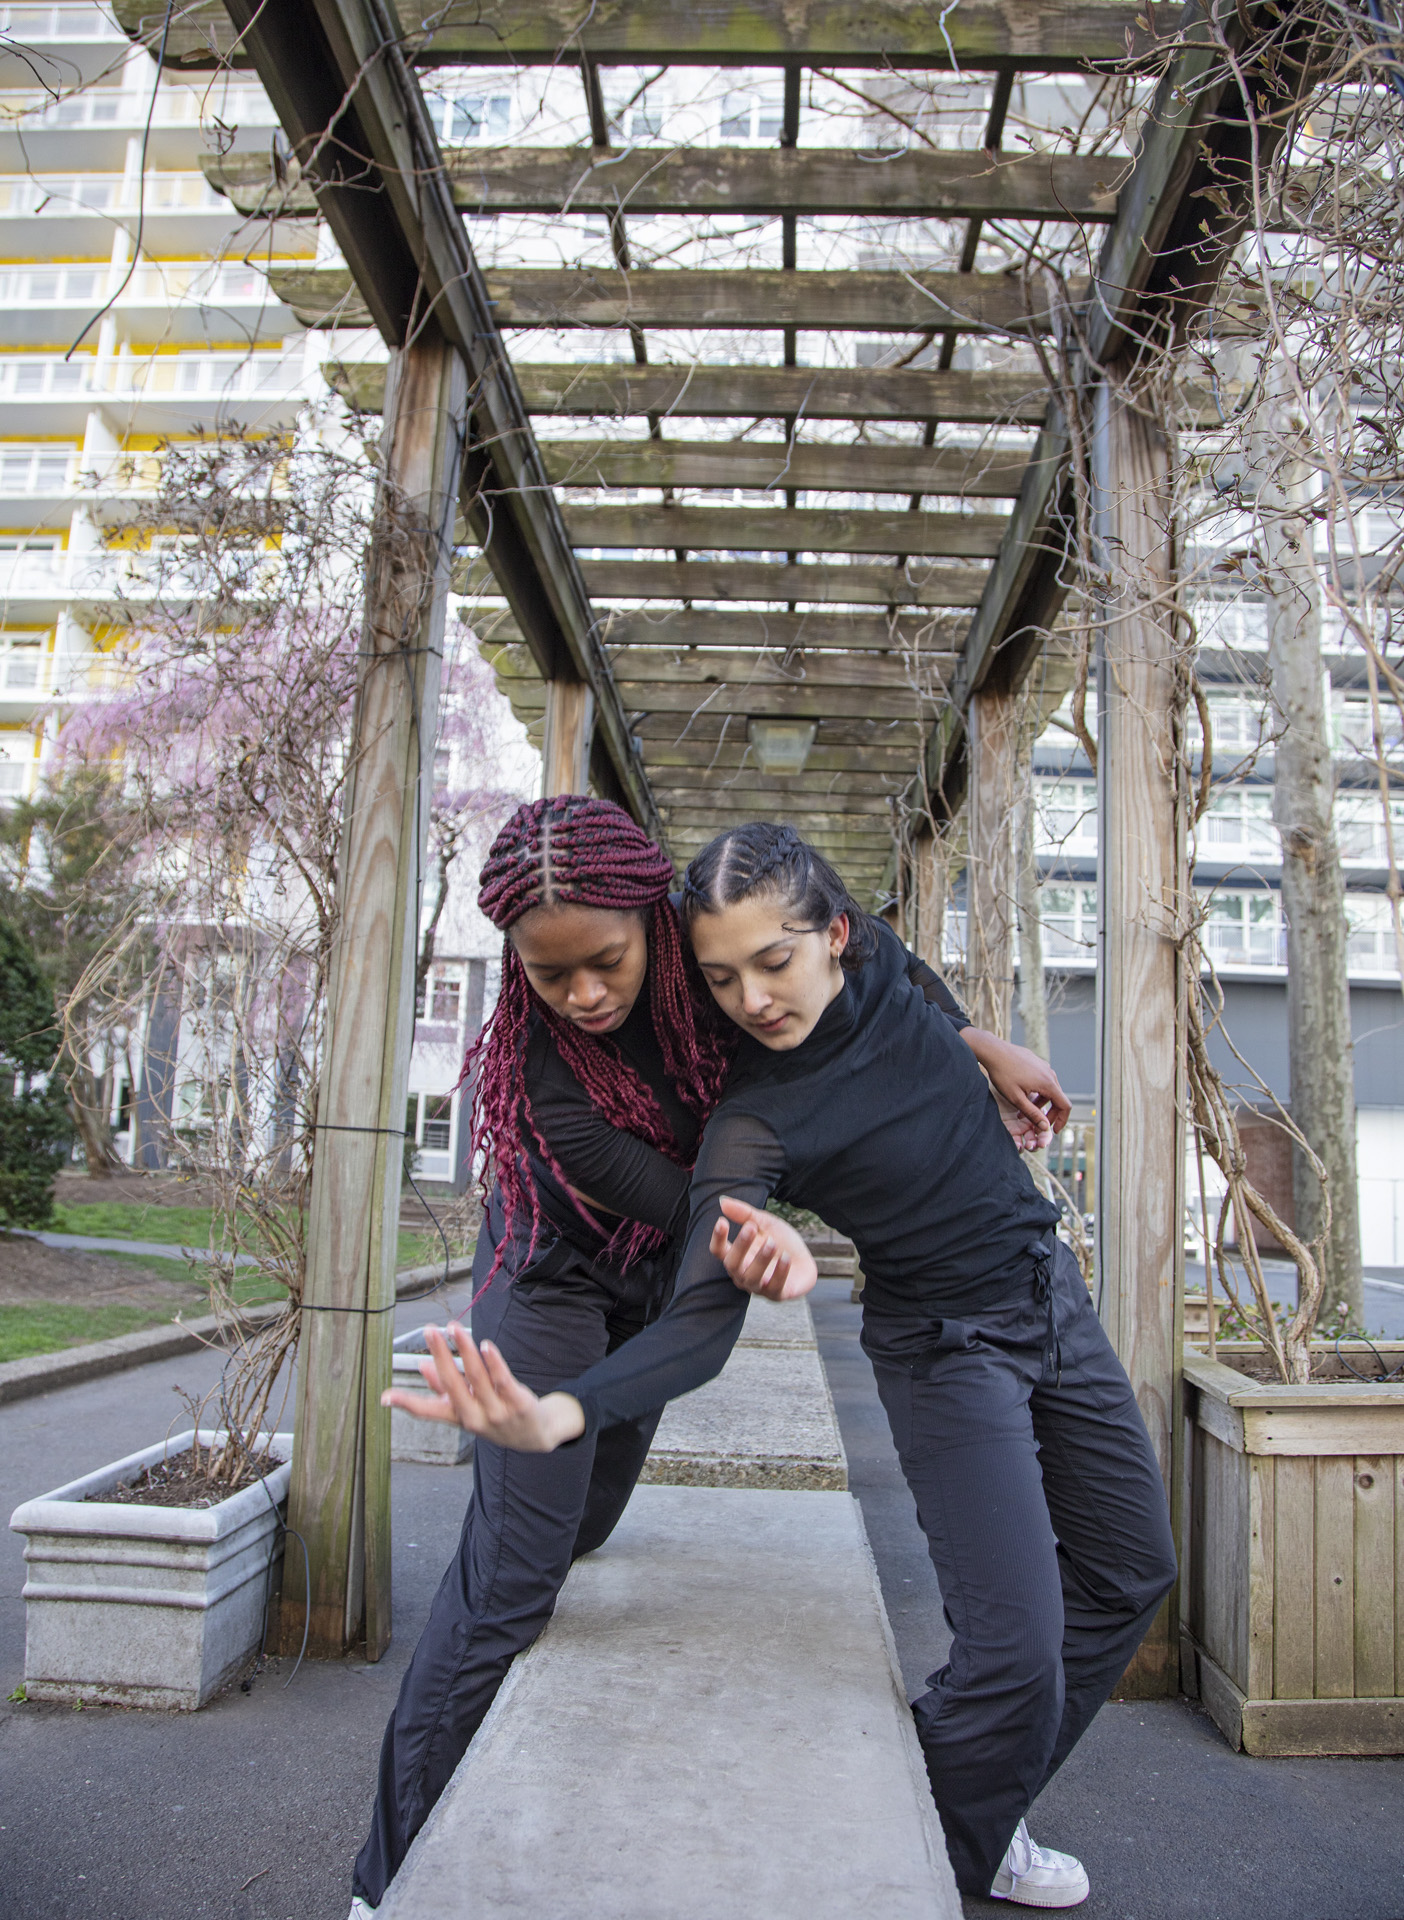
x,y
781,746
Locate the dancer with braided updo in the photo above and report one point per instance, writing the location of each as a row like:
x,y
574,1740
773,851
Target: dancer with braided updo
x,y
1017,1430
592,1082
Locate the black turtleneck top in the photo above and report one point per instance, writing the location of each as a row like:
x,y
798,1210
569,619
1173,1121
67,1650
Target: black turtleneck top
x,y
618,1170
880,1122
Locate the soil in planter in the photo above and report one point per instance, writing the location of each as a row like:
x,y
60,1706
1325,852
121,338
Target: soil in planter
x,y
1327,1369
180,1483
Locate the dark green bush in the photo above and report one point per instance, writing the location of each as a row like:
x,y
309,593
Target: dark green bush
x,y
35,1128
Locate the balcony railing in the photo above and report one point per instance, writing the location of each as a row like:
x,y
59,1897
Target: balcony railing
x,y
79,193
109,107
34,24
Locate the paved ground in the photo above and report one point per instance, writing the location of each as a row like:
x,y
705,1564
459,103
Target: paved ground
x,y
1384,1292
252,1809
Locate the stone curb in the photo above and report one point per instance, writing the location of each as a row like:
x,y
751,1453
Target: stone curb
x,y
44,1372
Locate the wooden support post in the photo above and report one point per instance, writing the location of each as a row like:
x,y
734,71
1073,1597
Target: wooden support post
x,y
340,1496
993,724
930,877
566,737
1142,884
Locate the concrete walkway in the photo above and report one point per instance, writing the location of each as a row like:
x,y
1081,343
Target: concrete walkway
x,y
711,1728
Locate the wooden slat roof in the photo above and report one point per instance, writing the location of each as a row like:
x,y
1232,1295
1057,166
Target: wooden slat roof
x,y
815,597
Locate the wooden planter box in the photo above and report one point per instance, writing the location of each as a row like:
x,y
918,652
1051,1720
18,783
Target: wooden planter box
x,y
1292,1597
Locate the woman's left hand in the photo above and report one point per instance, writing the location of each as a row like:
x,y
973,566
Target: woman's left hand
x,y
1032,1104
767,1256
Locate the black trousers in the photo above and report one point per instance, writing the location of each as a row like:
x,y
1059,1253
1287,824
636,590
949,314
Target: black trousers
x,y
1046,1519
530,1515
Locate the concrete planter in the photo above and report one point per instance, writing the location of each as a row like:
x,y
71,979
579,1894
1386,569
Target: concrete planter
x,y
146,1606
1292,1602
428,1443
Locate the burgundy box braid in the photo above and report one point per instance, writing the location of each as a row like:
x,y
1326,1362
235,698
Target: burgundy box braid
x,y
589,853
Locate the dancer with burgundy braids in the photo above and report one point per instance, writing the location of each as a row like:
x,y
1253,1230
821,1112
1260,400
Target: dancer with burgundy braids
x,y
591,1084
603,1059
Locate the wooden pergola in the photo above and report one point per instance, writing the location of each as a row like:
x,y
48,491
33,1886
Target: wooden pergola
x,y
899,634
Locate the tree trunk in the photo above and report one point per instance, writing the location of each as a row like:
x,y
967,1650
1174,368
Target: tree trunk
x,y
1033,988
1320,1052
989,879
88,1103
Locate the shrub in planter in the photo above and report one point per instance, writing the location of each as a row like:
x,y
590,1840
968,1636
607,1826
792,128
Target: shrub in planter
x,y
147,1605
1292,1575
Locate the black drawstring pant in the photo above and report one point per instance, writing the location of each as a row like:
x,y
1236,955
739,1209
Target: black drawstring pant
x,y
1046,1519
530,1515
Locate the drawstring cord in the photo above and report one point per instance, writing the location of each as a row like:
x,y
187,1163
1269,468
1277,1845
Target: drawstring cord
x,y
1043,1294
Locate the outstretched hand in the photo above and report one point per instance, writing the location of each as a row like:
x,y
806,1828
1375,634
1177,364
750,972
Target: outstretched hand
x,y
767,1256
1032,1104
485,1398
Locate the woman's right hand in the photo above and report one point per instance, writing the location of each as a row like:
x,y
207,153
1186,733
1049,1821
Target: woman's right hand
x,y
767,1256
486,1399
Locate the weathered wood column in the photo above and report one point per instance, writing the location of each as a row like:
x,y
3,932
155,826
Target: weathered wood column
x,y
989,873
927,923
567,734
1141,887
340,1496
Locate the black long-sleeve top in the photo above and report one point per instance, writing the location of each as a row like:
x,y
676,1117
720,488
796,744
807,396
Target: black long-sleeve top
x,y
617,1169
881,1122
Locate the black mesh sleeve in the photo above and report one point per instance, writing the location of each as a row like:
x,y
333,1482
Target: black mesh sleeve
x,y
936,991
615,1168
689,1344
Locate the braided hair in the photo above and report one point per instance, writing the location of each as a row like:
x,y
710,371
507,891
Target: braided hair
x,y
764,859
571,849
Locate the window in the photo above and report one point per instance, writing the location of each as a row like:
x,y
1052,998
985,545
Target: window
x,y
479,118
34,469
1370,948
438,1122
1069,916
1244,930
1239,821
21,664
1238,718
1068,814
14,772
446,1001
753,116
645,122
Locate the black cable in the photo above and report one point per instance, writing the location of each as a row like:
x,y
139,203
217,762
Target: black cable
x,y
1385,1373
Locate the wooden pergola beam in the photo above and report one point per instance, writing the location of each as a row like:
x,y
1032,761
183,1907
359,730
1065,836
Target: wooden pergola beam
x,y
1024,35
774,795
939,585
800,673
852,300
865,633
796,529
763,465
746,698
724,759
927,183
582,390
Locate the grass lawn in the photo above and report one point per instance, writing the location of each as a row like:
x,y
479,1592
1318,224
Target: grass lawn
x,y
190,1227
27,1330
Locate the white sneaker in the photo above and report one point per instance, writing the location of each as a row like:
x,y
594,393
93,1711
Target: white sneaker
x,y
1037,1876
360,1911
